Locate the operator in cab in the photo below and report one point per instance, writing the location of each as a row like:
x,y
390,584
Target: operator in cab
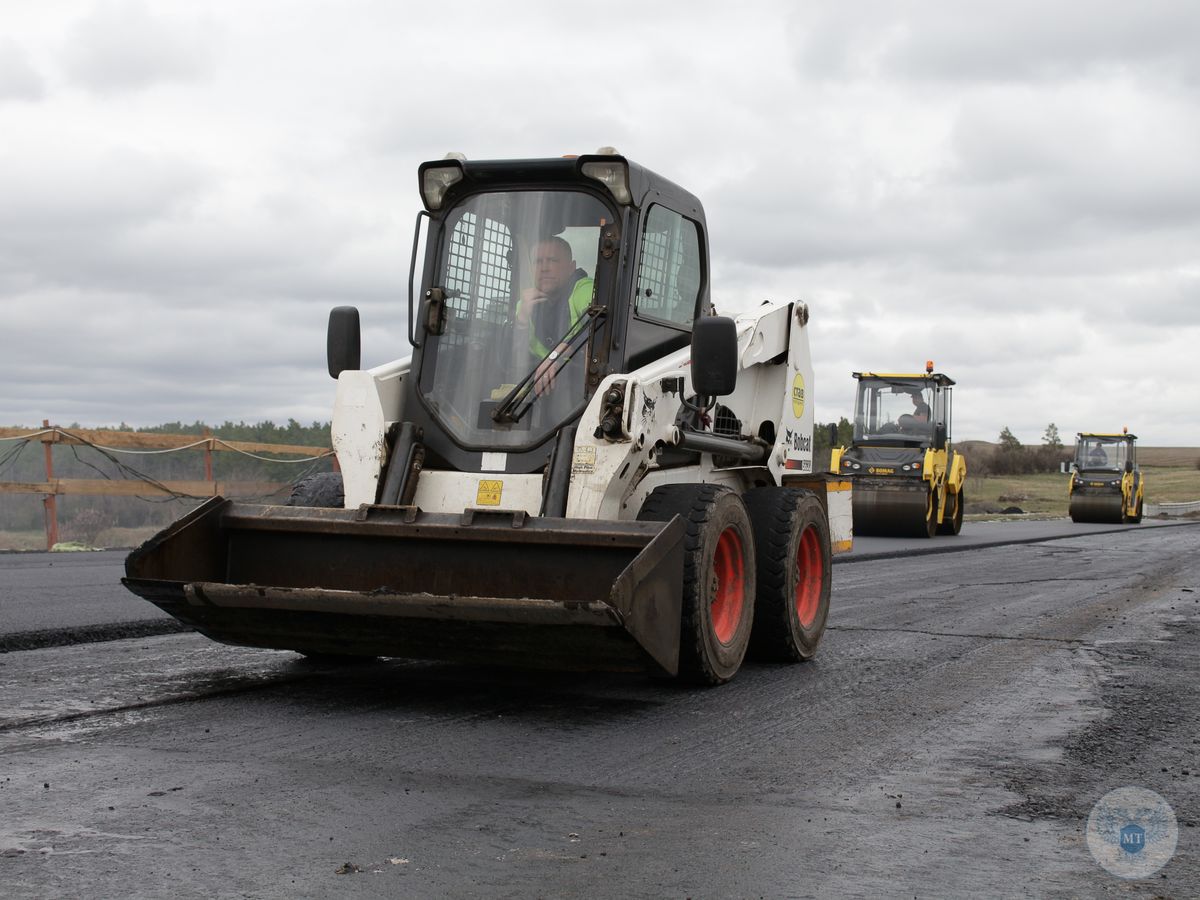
x,y
560,296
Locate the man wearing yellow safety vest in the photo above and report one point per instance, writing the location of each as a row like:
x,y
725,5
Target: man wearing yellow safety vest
x,y
560,295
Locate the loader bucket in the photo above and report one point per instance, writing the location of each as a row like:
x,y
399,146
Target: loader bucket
x,y
490,587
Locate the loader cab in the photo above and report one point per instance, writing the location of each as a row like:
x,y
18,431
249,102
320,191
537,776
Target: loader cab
x,y
902,410
510,345
516,272
1105,452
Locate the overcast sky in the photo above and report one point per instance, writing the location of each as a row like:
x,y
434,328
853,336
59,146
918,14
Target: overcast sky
x,y
1010,189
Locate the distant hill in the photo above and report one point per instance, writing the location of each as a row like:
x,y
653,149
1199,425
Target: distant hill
x,y
1168,456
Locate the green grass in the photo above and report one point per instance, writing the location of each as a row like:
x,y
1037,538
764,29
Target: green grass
x,y
1046,494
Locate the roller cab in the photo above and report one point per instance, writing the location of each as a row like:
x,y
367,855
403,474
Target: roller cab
x,y
908,480
1106,484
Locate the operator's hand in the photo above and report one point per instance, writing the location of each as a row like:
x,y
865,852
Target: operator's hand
x,y
543,377
530,298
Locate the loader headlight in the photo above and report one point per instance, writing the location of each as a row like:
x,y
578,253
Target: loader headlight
x,y
1114,484
436,180
613,175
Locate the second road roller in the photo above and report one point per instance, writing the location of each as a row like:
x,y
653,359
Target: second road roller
x,y
908,480
1106,485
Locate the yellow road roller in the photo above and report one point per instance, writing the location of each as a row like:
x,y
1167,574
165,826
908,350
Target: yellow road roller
x,y
1106,485
908,480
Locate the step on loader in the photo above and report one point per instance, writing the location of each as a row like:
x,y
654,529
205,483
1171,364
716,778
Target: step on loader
x,y
1106,484
908,479
579,465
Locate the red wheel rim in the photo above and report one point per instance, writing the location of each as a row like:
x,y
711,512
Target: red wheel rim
x,y
729,588
810,577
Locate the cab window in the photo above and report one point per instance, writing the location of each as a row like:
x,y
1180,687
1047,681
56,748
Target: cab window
x,y
668,280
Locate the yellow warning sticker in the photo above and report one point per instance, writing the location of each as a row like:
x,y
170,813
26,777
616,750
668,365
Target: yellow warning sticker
x,y
489,493
798,395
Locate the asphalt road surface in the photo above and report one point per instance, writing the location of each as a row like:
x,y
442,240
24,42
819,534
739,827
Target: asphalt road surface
x,y
964,714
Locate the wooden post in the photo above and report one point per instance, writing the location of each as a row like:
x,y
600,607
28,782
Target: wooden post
x,y
49,501
208,448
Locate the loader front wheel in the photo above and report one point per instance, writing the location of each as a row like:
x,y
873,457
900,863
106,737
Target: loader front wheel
x,y
791,541
718,576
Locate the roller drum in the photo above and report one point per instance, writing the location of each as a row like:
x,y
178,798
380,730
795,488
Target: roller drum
x,y
1108,508
892,512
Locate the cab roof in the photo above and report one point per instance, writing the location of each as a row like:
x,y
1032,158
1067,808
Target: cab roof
x,y
935,377
645,186
1107,436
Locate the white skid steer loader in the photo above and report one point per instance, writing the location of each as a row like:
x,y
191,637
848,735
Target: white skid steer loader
x,y
579,465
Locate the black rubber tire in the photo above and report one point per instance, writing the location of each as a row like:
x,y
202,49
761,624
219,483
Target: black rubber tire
x,y
323,490
1136,518
709,511
780,518
952,524
929,527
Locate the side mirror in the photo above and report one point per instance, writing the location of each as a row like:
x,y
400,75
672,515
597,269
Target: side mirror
x,y
833,437
714,356
939,435
343,343
1129,465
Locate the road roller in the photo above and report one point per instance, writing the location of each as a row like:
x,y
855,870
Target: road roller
x,y
1106,485
908,480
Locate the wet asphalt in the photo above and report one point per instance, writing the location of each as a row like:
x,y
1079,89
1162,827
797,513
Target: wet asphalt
x,y
964,713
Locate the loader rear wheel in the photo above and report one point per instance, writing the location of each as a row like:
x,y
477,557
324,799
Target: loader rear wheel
x,y
323,489
718,577
791,543
952,521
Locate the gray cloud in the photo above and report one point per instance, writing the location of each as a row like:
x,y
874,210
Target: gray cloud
x,y
19,79
1020,41
124,45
